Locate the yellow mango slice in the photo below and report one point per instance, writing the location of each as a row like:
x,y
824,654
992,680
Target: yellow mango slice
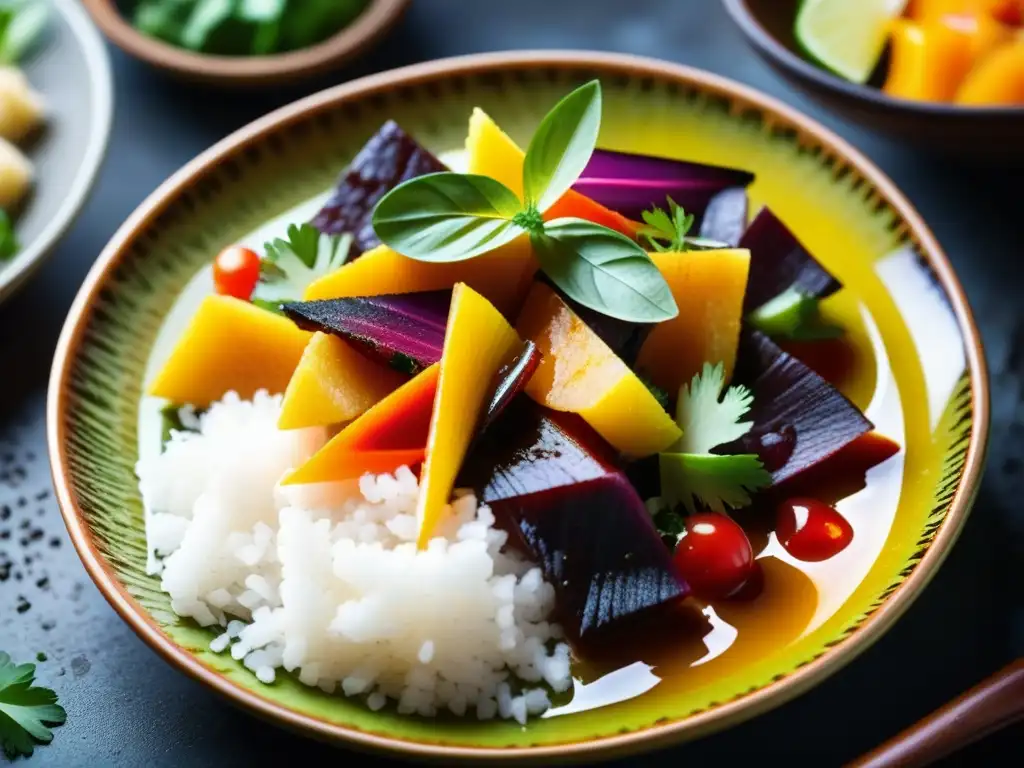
x,y
491,152
708,287
580,373
477,340
502,276
230,345
333,383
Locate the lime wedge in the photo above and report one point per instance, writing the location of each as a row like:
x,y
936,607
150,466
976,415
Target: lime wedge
x,y
846,36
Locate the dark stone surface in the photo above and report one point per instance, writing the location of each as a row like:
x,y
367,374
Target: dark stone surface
x,y
128,708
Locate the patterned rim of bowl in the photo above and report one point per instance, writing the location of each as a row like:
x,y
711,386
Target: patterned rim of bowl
x,y
963,461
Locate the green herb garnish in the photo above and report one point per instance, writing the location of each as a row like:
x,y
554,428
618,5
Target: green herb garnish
x,y
793,315
659,394
22,22
444,217
8,238
244,27
171,421
690,473
26,713
673,227
292,264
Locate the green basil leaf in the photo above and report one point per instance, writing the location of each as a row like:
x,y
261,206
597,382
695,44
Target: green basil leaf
x,y
8,238
26,23
562,145
447,217
603,270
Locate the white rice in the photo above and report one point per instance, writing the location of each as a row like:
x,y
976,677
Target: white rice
x,y
326,582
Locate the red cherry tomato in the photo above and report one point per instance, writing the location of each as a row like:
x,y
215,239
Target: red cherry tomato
x,y
810,530
236,271
714,556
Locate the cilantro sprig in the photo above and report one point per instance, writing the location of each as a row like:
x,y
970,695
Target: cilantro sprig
x,y
690,473
26,712
445,217
669,231
291,264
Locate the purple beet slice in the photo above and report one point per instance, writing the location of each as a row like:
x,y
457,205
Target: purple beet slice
x,y
630,183
390,157
778,262
405,330
552,484
726,217
800,420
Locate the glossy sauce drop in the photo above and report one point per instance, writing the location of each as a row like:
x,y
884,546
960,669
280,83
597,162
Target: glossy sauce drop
x,y
810,530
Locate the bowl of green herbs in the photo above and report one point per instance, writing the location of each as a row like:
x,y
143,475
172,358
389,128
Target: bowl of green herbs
x,y
245,42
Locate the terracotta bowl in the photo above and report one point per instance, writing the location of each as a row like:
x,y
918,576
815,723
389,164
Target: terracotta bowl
x,y
358,37
919,375
989,133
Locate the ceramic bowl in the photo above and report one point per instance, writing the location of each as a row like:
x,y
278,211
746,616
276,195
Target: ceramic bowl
x,y
900,292
358,37
971,133
71,70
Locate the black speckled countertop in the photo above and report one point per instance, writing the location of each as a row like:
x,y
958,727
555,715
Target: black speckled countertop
x,y
126,707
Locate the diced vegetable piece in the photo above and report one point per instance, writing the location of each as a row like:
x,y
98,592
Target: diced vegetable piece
x,y
492,153
725,220
927,62
391,433
405,331
16,173
624,337
927,11
502,276
533,449
552,483
630,184
510,380
477,342
390,157
778,262
581,374
799,418
332,384
998,80
708,287
230,345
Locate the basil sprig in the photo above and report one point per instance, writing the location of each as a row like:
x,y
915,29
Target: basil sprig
x,y
444,217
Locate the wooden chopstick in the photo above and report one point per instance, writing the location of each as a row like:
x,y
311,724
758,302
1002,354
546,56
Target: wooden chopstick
x,y
995,703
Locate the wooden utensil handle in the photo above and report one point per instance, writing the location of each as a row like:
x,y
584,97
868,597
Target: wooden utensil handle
x,y
993,704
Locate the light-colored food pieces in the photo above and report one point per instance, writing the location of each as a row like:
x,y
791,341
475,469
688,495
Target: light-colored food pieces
x,y
333,383
21,108
338,593
15,175
230,346
580,373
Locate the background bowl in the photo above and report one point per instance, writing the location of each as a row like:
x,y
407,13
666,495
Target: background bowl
x,y
363,33
987,133
149,277
71,69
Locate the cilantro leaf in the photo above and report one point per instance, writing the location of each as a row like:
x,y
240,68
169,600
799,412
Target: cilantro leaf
x,y
8,239
25,711
292,264
706,417
713,481
793,315
673,225
690,473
